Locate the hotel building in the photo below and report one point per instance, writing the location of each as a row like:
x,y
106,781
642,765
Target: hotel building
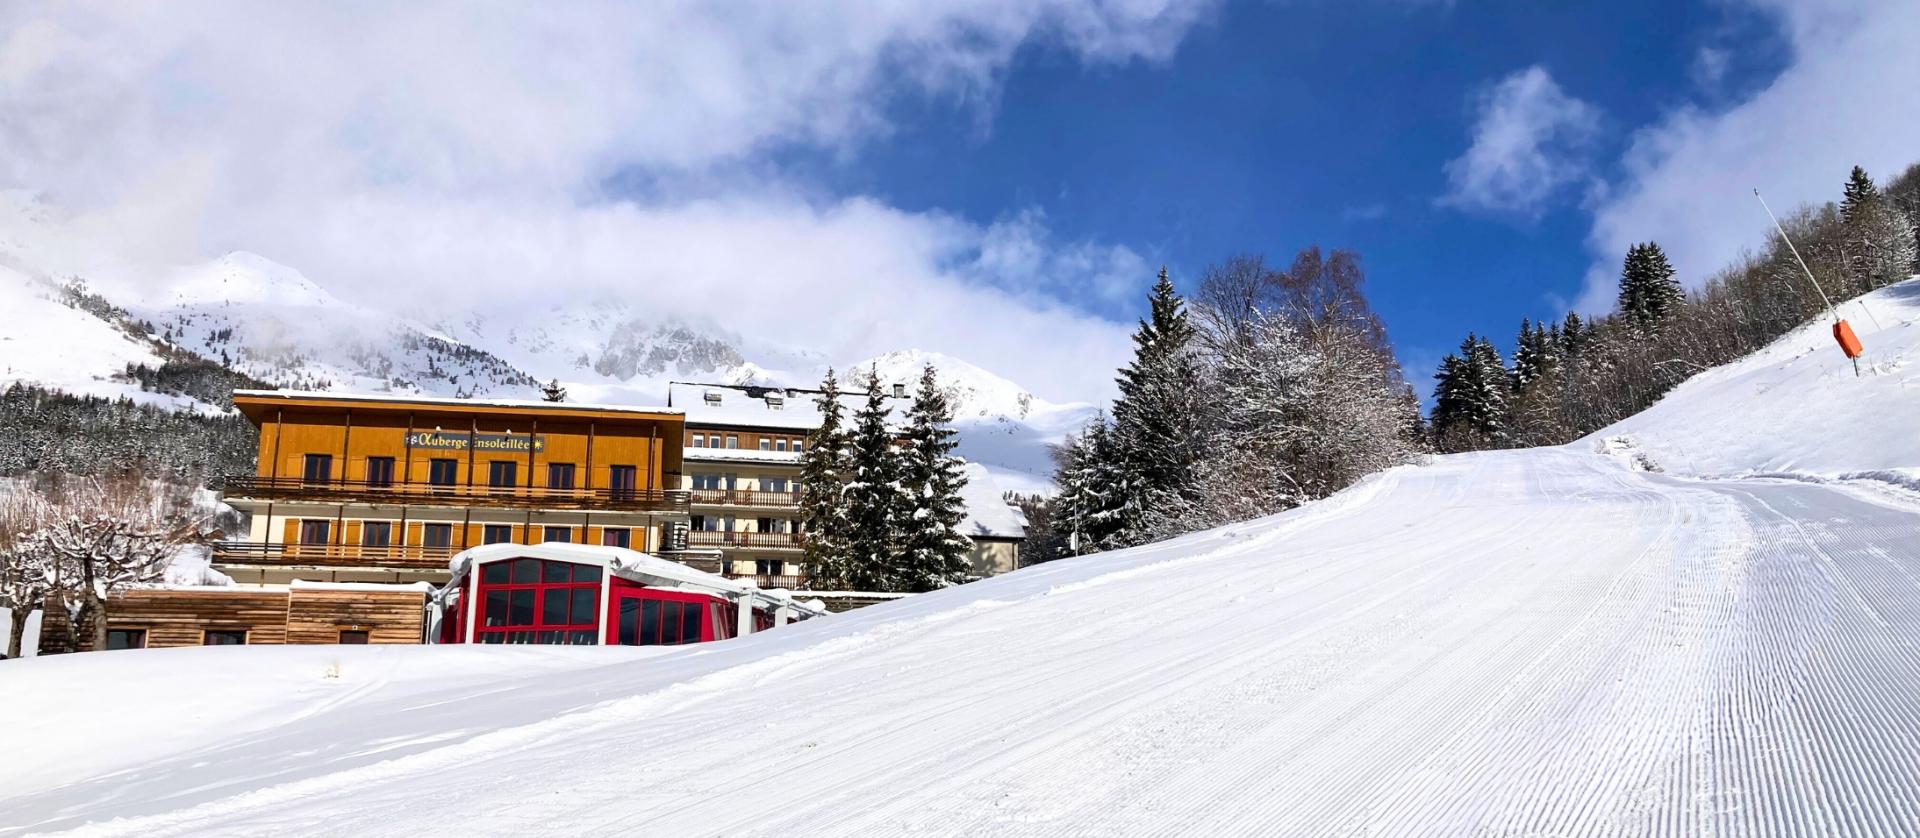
x,y
387,489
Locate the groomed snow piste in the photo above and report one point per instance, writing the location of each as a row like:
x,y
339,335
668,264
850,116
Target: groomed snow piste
x,y
1541,642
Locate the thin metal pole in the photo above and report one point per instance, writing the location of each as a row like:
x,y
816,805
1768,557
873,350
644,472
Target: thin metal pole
x,y
1796,255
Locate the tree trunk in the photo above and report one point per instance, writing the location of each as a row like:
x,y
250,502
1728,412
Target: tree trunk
x,y
95,611
15,638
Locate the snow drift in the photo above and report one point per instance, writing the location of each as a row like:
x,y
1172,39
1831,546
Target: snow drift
x,y
1520,642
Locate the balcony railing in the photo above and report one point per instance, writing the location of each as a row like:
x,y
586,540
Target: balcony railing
x,y
756,540
331,555
791,583
745,497
458,494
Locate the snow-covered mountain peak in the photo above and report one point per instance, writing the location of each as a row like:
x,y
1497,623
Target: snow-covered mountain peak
x,y
975,392
243,278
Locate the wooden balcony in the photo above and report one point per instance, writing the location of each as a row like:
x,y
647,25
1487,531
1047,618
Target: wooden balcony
x,y
671,501
749,540
746,497
331,555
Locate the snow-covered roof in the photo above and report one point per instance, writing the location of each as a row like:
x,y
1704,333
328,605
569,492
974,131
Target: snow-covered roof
x,y
391,398
741,455
748,406
988,513
627,564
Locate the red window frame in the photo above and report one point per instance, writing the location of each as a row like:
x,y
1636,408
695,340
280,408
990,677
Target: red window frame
x,y
545,580
701,604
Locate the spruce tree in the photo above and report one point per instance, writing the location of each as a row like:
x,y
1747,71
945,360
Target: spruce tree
x,y
824,472
1092,505
1648,292
553,392
1880,239
933,553
874,501
1573,336
1158,431
1860,195
1527,350
1470,399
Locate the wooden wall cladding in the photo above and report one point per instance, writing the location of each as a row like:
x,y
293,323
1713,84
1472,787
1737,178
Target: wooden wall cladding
x,y
318,615
269,616
181,618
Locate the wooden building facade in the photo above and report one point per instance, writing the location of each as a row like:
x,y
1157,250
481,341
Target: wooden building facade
x,y
246,615
386,489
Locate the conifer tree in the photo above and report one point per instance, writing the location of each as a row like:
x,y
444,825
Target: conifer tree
x,y
1470,398
1879,245
1158,432
1648,291
824,472
875,503
1573,335
1858,196
553,392
1527,350
1093,490
933,553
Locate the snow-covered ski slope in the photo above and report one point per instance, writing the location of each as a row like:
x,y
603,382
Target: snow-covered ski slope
x,y
1540,642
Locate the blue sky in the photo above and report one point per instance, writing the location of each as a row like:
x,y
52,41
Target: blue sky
x,y
1276,125
988,179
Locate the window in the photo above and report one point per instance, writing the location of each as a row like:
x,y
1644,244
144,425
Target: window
x,y
531,601
768,567
713,441
437,535
559,534
379,471
503,474
496,534
733,441
224,638
698,523
766,444
773,484
353,637
443,472
654,622
376,533
621,481
316,532
779,445
617,537
763,525
319,469
706,481
126,639
699,441
559,475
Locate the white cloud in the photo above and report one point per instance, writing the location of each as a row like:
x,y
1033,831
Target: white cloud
x,y
1529,141
1847,98
1710,66
426,149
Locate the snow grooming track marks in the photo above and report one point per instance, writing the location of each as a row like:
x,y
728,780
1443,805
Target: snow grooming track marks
x,y
1509,643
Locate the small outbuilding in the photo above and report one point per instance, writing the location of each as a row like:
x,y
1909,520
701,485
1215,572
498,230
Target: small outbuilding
x,y
577,594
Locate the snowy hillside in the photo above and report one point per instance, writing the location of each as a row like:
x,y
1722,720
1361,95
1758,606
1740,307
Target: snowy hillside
x,y
43,340
1544,641
1796,406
